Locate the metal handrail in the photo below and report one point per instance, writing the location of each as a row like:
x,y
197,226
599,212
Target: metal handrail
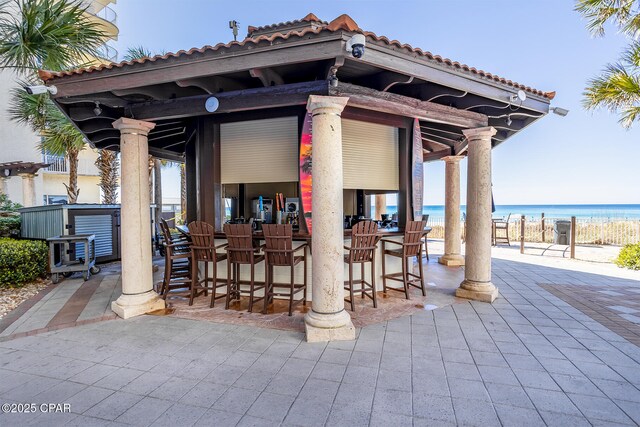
x,y
108,14
107,52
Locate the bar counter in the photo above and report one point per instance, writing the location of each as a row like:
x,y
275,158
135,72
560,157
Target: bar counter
x,y
302,236
393,264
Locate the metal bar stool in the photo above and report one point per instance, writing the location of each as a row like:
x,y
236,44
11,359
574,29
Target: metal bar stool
x,y
279,252
241,250
364,239
177,262
411,246
204,249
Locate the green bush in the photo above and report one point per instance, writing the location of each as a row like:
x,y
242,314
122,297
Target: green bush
x,y
22,261
9,217
629,257
9,226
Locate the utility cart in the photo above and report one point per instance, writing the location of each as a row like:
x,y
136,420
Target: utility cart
x,y
62,261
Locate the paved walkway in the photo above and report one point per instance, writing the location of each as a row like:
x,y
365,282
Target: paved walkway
x,y
534,357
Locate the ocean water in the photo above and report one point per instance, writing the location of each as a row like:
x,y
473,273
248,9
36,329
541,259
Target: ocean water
x,y
631,212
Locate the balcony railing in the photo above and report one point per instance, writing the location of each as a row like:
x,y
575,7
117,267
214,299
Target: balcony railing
x,y
103,12
60,165
57,163
108,53
108,15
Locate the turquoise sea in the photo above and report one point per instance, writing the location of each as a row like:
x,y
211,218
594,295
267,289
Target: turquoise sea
x,y
550,211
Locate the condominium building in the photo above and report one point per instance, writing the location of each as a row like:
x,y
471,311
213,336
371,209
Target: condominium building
x,y
19,143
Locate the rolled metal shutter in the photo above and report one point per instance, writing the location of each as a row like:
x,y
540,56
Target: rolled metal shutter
x,y
102,227
259,151
370,156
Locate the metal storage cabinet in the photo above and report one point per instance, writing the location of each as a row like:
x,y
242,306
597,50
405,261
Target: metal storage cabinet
x,y
43,222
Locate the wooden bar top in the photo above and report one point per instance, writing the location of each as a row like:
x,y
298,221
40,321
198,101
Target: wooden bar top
x,y
297,235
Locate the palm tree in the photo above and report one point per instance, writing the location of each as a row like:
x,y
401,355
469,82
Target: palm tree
x,y
52,35
108,164
58,135
46,34
617,88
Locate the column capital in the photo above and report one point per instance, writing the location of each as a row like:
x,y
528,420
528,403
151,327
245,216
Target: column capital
x,y
319,104
452,159
132,126
26,175
479,133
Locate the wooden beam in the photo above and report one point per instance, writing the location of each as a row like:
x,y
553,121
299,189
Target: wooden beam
x,y
212,84
432,145
436,155
461,147
324,46
391,103
398,61
267,76
81,114
387,79
103,99
95,125
243,100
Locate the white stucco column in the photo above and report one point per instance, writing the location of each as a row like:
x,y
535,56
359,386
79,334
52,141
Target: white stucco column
x,y
4,185
28,189
452,254
327,320
137,296
381,205
477,274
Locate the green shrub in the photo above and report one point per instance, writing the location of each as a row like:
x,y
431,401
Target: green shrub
x,y
22,261
9,226
629,257
9,217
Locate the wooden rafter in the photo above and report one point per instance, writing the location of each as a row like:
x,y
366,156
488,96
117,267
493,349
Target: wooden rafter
x,y
267,76
392,103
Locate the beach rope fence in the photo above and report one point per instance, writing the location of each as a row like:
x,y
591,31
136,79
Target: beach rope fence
x,y
589,231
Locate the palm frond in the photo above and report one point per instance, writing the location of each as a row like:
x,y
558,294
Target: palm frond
x,y
46,34
623,13
618,90
137,52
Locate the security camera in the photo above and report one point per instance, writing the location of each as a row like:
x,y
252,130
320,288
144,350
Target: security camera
x,y
559,111
40,89
355,45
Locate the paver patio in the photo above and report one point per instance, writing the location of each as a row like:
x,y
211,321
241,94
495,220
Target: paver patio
x,y
531,358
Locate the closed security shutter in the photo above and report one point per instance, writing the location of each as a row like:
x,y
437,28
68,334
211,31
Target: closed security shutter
x,y
259,151
102,227
370,156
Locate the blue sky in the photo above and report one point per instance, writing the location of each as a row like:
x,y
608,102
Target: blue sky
x,y
583,158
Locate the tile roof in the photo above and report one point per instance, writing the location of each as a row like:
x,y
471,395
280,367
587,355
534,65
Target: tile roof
x,y
342,23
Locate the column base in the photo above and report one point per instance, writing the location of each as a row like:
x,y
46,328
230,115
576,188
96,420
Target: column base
x,y
451,260
478,291
329,327
127,306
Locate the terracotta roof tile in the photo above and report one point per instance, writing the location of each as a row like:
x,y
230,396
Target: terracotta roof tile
x,y
342,23
309,18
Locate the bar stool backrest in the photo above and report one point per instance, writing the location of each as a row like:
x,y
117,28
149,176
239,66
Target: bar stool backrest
x,y
413,234
202,241
240,242
364,236
279,241
164,229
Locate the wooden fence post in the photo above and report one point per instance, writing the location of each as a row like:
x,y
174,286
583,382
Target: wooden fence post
x,y
573,237
521,234
542,219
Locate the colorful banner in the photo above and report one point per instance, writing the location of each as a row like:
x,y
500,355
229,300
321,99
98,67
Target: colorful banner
x,y
417,171
305,170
